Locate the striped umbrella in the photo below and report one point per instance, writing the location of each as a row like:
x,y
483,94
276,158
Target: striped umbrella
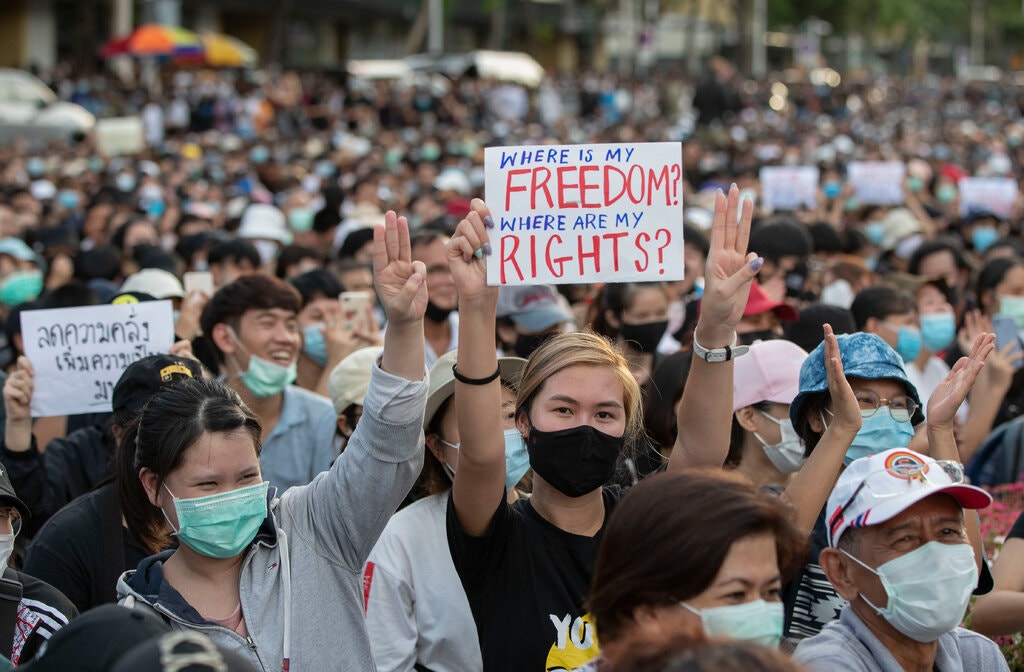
x,y
224,51
154,40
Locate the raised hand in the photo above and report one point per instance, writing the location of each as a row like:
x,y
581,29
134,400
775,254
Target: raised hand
x,y
18,391
845,409
400,281
466,252
951,392
729,271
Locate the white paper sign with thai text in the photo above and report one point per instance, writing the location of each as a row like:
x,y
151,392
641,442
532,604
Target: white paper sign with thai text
x,y
80,353
585,213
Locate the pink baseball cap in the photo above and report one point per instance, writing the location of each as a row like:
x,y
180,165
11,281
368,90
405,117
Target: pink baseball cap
x,y
879,487
770,371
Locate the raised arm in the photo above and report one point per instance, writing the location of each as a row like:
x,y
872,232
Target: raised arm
x,y
480,477
811,486
401,286
942,408
705,414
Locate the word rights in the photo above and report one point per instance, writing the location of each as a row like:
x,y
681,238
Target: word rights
x,y
585,213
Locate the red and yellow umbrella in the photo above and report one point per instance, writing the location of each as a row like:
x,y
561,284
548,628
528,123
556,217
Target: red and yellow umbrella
x,y
224,51
155,40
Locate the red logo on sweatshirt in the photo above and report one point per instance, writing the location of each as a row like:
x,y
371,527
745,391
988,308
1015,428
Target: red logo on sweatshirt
x,y
367,581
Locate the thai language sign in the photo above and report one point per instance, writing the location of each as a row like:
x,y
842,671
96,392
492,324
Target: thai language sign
x,y
877,182
585,213
80,353
789,187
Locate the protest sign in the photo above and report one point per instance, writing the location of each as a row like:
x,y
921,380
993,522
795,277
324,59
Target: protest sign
x,y
80,353
991,194
789,187
585,213
877,182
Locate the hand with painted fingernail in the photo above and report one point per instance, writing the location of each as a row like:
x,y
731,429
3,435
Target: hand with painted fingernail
x,y
468,250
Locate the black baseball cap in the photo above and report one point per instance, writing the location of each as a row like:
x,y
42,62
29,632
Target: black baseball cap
x,y
144,378
8,496
181,651
97,639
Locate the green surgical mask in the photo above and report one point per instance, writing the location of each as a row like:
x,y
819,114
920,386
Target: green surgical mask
x,y
221,525
756,621
265,378
1013,306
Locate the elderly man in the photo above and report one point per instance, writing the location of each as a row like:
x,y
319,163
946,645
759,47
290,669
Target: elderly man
x,y
899,554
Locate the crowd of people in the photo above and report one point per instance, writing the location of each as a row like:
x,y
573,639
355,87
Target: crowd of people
x,y
358,455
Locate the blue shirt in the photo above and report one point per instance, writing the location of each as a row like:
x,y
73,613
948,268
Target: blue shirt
x,y
302,443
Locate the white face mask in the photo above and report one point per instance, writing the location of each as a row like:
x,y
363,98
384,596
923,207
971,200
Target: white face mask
x,y
6,548
788,454
928,588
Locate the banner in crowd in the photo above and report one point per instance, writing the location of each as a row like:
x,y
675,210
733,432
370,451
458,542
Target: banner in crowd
x,y
585,213
119,136
877,182
789,187
997,195
80,353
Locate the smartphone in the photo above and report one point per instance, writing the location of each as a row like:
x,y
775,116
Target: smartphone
x,y
1006,332
353,309
201,281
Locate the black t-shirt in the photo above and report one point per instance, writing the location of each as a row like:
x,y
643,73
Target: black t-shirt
x,y
527,582
68,552
1017,531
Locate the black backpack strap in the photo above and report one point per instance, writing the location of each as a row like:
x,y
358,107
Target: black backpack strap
x,y
10,599
113,543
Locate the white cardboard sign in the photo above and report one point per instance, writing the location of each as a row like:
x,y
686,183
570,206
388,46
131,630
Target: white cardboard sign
x,y
585,213
877,182
80,353
789,187
993,194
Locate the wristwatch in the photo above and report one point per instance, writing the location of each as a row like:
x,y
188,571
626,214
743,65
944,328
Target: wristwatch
x,y
718,354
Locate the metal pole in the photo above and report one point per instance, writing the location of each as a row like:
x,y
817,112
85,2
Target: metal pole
x,y
758,49
435,34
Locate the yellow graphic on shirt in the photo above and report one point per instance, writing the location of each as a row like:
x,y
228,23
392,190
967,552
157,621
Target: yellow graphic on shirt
x,y
575,644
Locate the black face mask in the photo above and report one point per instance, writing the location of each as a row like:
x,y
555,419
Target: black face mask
x,y
574,461
527,343
795,279
644,336
435,313
762,335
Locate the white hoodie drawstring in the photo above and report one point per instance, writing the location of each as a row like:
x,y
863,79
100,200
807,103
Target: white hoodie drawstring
x,y
286,569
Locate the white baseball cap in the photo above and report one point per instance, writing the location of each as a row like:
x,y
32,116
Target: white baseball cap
x,y
879,487
350,379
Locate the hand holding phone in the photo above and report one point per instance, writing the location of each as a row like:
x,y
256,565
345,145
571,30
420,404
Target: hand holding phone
x,y
201,281
1006,332
353,310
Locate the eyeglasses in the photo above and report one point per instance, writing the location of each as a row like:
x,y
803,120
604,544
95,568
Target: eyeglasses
x,y
884,482
901,408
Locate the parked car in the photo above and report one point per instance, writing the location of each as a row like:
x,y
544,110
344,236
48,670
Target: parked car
x,y
30,110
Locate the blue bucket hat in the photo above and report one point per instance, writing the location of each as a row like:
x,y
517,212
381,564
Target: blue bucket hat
x,y
865,356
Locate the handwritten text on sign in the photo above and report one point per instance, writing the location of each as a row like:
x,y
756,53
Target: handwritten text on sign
x,y
80,353
585,213
788,187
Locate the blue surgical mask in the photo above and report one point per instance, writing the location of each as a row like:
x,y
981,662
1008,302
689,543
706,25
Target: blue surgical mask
x,y
832,188
756,621
938,331
982,237
908,342
68,199
1013,306
221,525
879,432
517,458
300,220
946,193
314,346
916,184
875,231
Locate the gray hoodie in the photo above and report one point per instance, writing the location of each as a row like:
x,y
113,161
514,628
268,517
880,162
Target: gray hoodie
x,y
301,581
